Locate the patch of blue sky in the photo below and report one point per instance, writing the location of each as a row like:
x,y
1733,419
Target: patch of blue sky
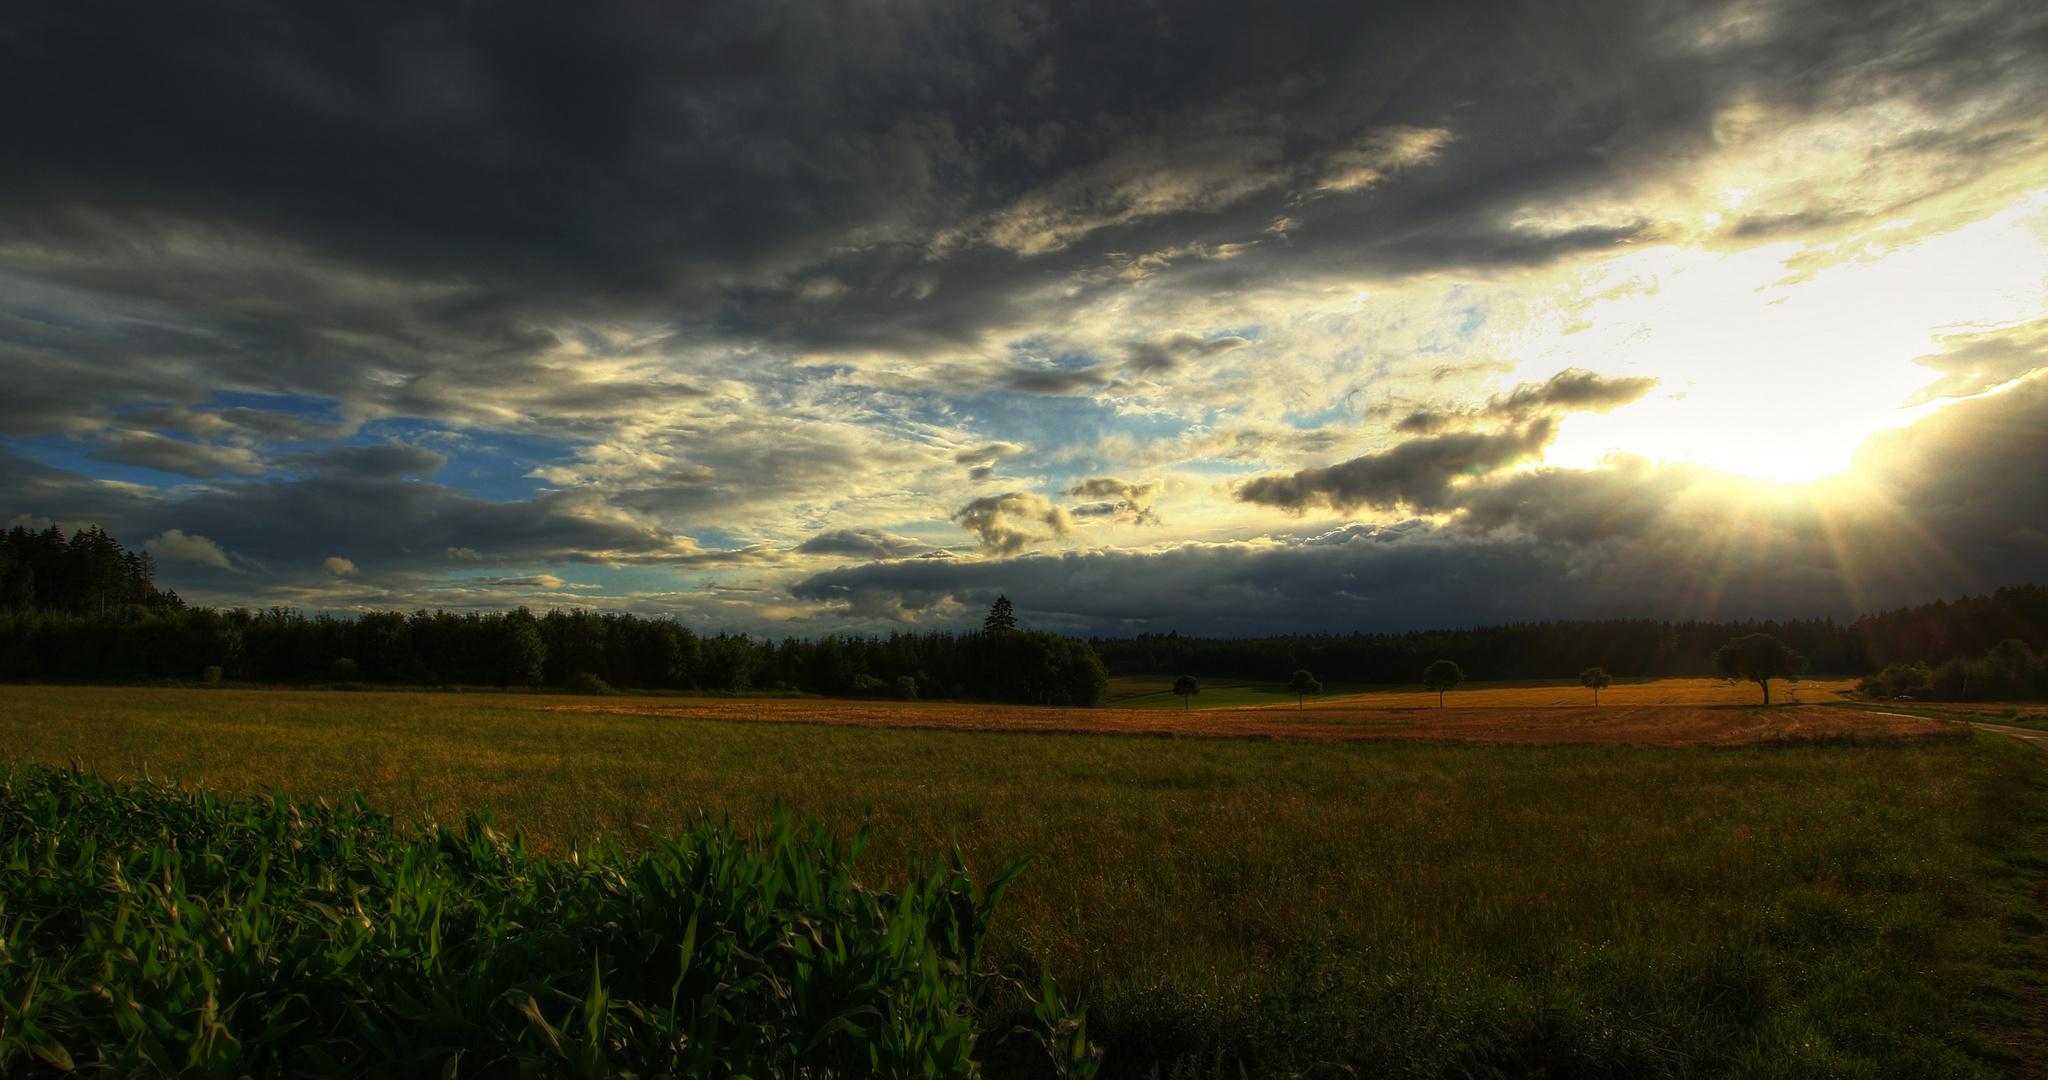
x,y
1322,418
715,538
1219,467
289,404
487,464
1056,425
625,580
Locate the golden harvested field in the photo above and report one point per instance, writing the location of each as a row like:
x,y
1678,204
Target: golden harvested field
x,y
1636,725
1526,695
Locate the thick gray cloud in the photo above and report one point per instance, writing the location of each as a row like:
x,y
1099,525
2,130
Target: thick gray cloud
x,y
197,460
1014,521
1115,499
1168,353
864,543
1567,391
1418,473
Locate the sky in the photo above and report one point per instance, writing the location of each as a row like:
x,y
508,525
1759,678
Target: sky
x,y
1228,319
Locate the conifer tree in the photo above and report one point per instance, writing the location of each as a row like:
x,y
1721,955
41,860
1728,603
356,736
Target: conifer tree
x,y
1001,619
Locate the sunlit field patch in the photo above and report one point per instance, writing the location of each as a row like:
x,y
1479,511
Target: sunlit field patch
x,y
1151,692
1854,907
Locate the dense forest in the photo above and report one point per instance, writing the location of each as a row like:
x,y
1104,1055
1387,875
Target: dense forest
x,y
82,607
1950,638
86,609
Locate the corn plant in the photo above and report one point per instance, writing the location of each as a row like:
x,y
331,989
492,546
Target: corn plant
x,y
151,931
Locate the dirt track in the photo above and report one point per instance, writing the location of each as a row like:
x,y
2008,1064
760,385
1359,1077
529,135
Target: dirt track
x,y
1637,725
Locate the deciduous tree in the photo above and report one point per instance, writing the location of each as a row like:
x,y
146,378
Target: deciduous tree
x,y
1185,686
1441,676
1759,658
1595,679
1301,686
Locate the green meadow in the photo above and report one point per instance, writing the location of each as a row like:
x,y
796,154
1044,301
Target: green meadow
x,y
1841,909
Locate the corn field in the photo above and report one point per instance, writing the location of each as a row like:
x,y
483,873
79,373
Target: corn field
x,y
151,931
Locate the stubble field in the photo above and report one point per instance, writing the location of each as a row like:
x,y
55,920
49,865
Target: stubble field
x,y
1849,901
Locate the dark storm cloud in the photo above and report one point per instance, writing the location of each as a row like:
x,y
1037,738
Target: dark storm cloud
x,y
1954,507
1116,500
1053,380
1168,353
1014,522
728,161
1571,390
864,543
1418,473
197,460
391,461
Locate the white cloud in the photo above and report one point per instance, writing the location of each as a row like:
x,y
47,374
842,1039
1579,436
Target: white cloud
x,y
174,544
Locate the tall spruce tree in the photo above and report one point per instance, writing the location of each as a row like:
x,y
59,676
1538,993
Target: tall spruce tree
x,y
1001,619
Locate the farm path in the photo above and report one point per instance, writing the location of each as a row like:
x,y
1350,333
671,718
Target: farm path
x,y
2026,735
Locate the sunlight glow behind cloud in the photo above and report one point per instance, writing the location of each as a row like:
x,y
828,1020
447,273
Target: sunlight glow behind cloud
x,y
1771,375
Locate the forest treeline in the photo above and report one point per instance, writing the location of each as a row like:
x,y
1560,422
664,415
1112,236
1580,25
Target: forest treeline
x,y
66,613
82,607
1933,635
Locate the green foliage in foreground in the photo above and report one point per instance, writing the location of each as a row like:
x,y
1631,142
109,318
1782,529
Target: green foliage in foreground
x,y
148,931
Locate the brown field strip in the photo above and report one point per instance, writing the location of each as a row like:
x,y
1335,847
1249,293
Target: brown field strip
x,y
1620,725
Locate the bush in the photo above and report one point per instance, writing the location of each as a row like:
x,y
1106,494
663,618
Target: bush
x,y
906,687
1910,680
583,682
154,932
345,670
210,675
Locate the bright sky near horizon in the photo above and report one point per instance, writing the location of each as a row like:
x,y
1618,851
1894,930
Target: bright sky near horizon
x,y
1299,316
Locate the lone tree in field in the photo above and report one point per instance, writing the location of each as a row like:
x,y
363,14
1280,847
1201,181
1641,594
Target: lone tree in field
x,y
1441,676
1596,679
1001,620
1186,688
1759,658
1301,686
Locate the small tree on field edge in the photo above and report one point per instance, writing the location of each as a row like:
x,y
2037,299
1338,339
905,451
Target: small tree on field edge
x,y
1759,658
1441,676
1597,679
1301,686
1186,688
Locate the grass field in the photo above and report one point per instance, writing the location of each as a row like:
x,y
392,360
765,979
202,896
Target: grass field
x,y
1837,909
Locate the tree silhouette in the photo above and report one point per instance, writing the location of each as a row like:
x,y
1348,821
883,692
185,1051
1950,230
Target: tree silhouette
x,y
1186,688
1001,619
1597,679
1441,676
1759,658
1301,686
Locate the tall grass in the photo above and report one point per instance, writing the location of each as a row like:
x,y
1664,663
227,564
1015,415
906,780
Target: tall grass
x,y
1401,910
149,931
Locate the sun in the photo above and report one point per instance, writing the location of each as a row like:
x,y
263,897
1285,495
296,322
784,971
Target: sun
x,y
1775,371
